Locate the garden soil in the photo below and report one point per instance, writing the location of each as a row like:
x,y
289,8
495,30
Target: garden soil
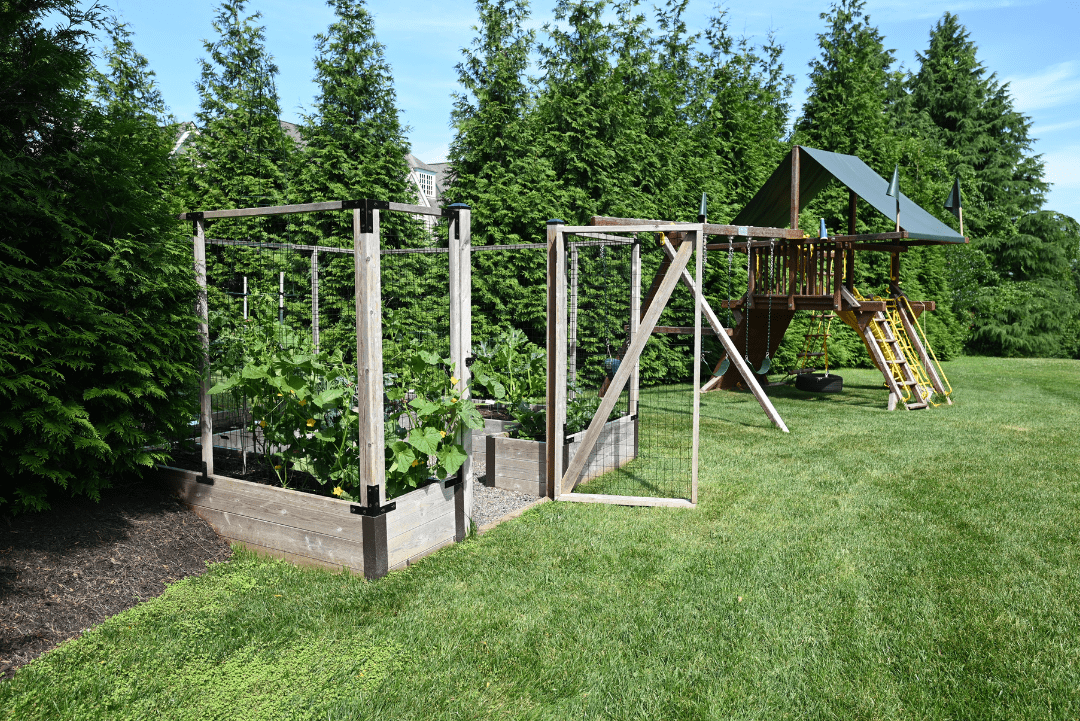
x,y
70,568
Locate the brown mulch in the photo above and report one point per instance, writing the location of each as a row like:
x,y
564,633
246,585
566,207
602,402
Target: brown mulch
x,y
72,567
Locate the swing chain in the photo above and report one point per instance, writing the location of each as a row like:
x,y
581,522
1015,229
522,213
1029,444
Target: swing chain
x,y
768,337
746,334
730,260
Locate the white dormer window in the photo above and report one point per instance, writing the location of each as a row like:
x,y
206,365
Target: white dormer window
x,y
426,180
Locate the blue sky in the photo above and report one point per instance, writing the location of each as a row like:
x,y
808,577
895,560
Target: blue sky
x,y
1030,44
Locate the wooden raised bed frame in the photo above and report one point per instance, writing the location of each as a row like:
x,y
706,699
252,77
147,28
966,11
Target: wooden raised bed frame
x,y
520,465
315,530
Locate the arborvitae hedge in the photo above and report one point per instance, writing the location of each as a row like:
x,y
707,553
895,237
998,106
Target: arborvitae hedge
x,y
97,340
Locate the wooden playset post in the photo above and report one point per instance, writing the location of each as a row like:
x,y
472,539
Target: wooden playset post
x,y
369,361
556,357
202,310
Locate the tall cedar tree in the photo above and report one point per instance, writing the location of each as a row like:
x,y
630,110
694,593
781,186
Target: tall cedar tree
x,y
97,342
498,170
355,148
239,154
1002,179
354,143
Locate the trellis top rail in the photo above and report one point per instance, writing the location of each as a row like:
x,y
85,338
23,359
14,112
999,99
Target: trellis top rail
x,y
309,208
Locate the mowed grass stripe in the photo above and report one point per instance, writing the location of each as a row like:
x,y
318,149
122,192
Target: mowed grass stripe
x,y
869,564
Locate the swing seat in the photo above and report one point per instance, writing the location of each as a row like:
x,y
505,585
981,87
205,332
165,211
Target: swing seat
x,y
819,382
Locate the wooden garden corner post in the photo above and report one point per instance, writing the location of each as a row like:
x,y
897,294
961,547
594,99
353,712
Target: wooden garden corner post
x,y
460,232
202,310
556,357
369,363
635,324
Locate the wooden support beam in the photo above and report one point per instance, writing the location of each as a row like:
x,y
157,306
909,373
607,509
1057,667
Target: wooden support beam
x,y
879,360
302,208
622,375
556,359
369,361
202,311
853,206
635,323
869,237
795,202
744,231
460,282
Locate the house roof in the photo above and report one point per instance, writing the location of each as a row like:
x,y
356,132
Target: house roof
x,y
771,206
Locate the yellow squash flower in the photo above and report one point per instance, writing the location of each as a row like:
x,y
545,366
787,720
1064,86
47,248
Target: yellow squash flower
x,y
277,468
262,424
303,402
442,434
414,464
453,380
310,422
338,491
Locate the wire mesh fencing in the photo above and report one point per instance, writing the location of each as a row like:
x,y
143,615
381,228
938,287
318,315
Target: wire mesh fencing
x,y
288,311
646,446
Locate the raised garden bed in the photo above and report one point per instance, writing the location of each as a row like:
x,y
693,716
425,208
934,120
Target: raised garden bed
x,y
321,531
520,465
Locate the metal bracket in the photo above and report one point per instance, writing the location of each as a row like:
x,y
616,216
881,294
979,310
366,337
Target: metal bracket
x,y
469,361
372,508
205,479
198,215
456,479
367,223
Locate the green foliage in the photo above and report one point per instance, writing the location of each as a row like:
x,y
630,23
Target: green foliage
x,y
976,120
239,154
97,341
426,415
512,370
354,143
299,405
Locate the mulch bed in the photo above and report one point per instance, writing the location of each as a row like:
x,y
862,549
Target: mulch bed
x,y
70,568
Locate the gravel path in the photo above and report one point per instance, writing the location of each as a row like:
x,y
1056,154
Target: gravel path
x,y
491,504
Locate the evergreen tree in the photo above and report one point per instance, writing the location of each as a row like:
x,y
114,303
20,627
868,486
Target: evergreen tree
x,y
977,121
740,117
98,345
497,169
354,144
844,109
239,154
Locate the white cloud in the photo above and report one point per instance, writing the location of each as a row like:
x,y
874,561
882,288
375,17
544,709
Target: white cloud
x,y
1055,86
1039,131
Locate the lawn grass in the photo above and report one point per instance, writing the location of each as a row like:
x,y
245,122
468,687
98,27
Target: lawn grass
x,y
869,564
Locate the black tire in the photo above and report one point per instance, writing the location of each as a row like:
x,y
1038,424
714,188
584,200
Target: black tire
x,y
819,383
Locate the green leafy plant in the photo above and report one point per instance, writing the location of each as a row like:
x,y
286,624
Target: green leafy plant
x,y
426,409
513,370
581,406
300,405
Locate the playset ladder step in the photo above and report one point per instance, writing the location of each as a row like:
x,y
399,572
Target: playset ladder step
x,y
916,406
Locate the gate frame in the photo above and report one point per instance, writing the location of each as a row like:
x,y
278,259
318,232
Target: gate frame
x,y
560,486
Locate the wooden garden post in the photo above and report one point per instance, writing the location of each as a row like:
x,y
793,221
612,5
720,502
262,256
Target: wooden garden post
x,y
315,299
460,232
202,310
369,362
571,341
635,322
699,240
556,357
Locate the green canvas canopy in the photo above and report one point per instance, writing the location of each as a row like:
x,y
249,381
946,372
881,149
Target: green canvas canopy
x,y
771,206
